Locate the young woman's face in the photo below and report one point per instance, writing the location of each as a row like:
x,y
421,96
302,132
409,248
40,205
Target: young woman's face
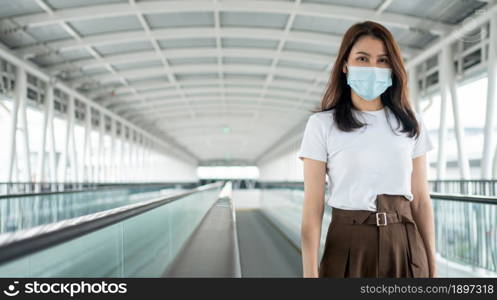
x,y
368,52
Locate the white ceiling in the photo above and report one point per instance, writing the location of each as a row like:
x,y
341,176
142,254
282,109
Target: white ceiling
x,y
227,80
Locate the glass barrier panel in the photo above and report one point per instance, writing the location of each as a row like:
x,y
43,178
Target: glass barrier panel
x,y
141,246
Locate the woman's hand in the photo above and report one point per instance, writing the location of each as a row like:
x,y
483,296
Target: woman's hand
x,y
312,215
433,271
422,210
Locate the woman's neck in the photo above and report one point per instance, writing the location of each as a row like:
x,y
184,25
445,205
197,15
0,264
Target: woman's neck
x,y
361,104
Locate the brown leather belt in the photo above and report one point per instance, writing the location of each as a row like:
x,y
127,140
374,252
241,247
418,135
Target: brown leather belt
x,y
381,219
378,218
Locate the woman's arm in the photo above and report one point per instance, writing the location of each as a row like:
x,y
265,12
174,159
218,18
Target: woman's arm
x,y
312,214
422,209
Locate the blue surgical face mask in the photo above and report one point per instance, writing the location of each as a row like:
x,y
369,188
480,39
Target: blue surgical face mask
x,y
369,82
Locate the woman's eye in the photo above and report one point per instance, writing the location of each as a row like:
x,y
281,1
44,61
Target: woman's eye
x,y
362,58
383,60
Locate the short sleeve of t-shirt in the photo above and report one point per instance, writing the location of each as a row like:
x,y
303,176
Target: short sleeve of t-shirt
x,y
423,143
314,143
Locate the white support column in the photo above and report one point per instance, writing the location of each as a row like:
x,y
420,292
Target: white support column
x,y
142,159
107,156
112,173
136,163
17,177
13,122
144,172
415,98
124,166
24,121
442,131
75,149
424,70
146,175
87,148
488,141
71,141
101,175
51,134
413,89
136,156
65,155
150,161
449,79
139,165
130,155
43,146
84,164
120,159
491,97
460,61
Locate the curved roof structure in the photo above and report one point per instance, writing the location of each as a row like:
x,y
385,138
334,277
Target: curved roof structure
x,y
221,79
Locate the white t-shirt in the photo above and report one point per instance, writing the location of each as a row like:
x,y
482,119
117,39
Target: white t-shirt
x,y
367,161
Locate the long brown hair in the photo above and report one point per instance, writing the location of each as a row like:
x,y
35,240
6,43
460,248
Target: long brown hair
x,y
338,92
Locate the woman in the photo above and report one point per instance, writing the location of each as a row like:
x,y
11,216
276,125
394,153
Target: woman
x,y
371,144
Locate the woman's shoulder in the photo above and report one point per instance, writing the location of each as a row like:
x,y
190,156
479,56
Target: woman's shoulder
x,y
326,117
323,120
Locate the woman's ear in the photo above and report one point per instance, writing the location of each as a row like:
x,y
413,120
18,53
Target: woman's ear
x,y
344,68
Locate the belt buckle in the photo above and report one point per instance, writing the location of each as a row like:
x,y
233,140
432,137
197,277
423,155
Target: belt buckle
x,y
378,219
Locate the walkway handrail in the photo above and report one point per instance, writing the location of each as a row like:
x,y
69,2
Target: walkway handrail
x,y
433,195
464,198
92,187
222,258
17,244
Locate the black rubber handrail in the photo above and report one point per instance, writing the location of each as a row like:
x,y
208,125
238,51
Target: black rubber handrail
x,y
222,258
464,198
100,187
18,244
95,189
433,195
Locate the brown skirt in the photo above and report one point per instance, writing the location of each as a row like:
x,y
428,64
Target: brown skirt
x,y
359,244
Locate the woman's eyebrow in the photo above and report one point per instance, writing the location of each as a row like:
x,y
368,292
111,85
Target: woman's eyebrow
x,y
367,54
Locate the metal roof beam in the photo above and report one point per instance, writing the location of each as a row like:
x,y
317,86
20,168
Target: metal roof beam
x,y
117,102
477,19
341,12
320,39
155,103
139,74
111,92
143,56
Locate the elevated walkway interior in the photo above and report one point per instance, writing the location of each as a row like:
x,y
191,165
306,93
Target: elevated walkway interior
x,y
212,230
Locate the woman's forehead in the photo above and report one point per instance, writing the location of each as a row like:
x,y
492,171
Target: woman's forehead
x,y
370,45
